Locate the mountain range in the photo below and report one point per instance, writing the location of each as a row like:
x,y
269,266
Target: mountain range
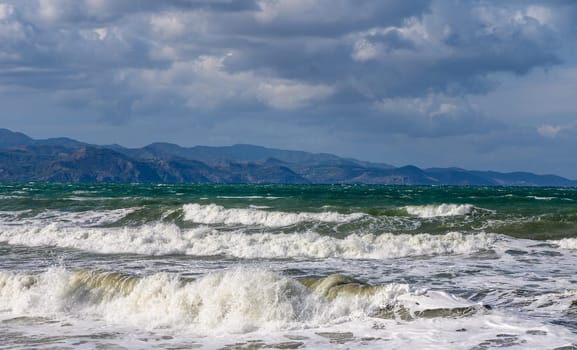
x,y
23,159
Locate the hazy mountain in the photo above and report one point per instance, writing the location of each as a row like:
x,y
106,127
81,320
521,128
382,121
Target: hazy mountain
x,y
66,160
13,139
240,153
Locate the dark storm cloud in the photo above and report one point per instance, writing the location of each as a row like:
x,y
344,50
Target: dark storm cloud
x,y
86,12
405,67
325,18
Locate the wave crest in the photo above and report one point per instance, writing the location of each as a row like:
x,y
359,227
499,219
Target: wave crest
x,y
216,214
432,211
567,243
235,301
162,239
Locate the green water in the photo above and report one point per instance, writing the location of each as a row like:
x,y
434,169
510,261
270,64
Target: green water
x,y
535,213
251,266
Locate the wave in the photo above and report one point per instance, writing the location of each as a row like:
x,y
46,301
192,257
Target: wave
x,y
248,197
93,199
216,214
162,239
9,197
566,243
542,198
68,218
432,211
235,301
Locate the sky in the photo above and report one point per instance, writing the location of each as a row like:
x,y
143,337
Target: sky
x,y
481,85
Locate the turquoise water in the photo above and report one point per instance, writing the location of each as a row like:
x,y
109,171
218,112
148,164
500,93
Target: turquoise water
x,y
277,266
535,213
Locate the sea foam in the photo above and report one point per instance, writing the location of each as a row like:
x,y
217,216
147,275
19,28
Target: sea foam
x,y
431,211
162,239
216,214
566,243
234,301
80,218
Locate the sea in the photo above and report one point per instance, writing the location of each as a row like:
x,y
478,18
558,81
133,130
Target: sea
x,y
163,266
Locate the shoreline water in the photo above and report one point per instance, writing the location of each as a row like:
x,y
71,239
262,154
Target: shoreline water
x,y
246,267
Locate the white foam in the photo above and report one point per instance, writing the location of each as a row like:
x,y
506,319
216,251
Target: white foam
x,y
243,304
541,198
554,303
216,214
566,243
88,199
431,211
248,197
154,239
235,301
8,216
259,206
355,246
161,239
81,218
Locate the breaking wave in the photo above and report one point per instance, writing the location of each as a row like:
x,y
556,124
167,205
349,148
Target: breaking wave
x,y
162,239
80,218
566,243
216,214
432,211
235,301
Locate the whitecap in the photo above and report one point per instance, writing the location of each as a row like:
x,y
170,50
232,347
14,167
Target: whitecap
x,y
163,239
216,214
566,243
239,300
441,210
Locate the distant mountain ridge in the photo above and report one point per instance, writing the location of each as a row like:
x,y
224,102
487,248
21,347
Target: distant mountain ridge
x,y
23,158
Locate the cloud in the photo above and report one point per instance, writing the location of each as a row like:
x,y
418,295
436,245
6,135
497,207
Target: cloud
x,y
549,130
433,116
331,17
389,67
204,83
168,25
295,39
65,12
553,131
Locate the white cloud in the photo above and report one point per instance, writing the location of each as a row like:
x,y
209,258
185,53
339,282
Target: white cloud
x,y
302,10
432,115
99,34
286,94
541,13
427,107
287,55
6,10
11,29
365,50
168,25
206,83
51,10
550,131
102,33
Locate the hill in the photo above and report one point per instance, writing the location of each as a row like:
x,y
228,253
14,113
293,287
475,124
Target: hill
x,y
66,160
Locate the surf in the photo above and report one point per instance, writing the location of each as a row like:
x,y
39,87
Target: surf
x,y
164,239
237,300
216,214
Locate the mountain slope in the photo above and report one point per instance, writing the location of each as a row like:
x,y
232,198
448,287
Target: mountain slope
x,y
240,153
65,160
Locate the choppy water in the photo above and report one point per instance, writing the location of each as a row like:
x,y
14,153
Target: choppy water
x,y
319,267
